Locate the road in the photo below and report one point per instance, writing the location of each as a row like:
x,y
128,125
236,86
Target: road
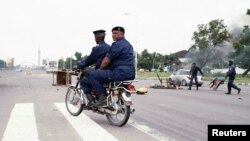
x,y
32,109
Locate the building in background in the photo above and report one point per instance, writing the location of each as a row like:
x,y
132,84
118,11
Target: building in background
x,y
50,65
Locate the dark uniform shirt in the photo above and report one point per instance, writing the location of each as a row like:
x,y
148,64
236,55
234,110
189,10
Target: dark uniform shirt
x,y
95,57
231,72
121,55
194,70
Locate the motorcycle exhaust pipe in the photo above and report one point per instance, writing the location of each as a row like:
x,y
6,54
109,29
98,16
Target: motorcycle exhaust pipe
x,y
104,110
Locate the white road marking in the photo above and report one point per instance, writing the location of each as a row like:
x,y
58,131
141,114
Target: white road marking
x,y
150,131
164,105
22,124
85,127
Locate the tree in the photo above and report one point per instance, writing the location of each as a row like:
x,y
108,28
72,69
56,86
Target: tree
x,y
248,11
61,64
242,50
207,41
145,60
78,56
172,61
69,63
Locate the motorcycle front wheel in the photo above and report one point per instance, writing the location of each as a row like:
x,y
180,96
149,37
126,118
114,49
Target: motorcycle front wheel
x,y
122,116
73,101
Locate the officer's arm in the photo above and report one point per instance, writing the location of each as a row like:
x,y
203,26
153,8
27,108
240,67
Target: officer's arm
x,y
105,62
190,72
91,59
200,71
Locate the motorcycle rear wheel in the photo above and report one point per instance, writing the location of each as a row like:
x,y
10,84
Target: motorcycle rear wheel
x,y
73,101
121,118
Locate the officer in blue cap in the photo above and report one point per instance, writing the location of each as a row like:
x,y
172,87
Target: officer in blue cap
x,y
97,54
120,63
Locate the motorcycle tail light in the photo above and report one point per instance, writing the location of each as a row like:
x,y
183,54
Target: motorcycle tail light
x,y
131,88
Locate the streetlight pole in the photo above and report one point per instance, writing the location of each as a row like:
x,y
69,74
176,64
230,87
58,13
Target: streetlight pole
x,y
169,62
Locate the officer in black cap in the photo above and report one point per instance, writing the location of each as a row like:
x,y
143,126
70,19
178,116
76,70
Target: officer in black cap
x,y
120,61
97,54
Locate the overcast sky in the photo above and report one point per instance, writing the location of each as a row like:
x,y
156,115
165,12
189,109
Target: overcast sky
x,y
61,27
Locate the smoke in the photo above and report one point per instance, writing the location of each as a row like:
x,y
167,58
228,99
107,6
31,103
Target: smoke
x,y
211,55
239,22
236,32
225,48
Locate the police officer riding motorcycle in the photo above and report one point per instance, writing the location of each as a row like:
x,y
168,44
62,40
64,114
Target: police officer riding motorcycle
x,y
107,91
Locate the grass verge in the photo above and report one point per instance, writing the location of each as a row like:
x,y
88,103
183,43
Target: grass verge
x,y
163,75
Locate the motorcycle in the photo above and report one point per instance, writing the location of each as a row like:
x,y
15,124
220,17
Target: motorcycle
x,y
119,104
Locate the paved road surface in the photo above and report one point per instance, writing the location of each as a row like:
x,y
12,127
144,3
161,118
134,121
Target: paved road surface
x,y
32,109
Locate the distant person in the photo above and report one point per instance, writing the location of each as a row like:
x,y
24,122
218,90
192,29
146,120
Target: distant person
x,y
231,74
193,72
97,54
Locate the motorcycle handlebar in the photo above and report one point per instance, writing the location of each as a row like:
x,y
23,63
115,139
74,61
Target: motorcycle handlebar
x,y
75,72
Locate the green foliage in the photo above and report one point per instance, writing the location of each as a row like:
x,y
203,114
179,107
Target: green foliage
x,y
61,64
215,32
207,39
152,75
145,61
156,60
242,50
160,69
69,63
248,11
78,56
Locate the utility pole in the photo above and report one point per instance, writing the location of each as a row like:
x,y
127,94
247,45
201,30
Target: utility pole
x,y
136,40
39,53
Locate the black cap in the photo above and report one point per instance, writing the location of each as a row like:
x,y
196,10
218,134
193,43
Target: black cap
x,y
99,32
119,28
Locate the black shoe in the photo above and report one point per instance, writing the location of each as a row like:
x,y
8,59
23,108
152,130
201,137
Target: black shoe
x,y
239,90
90,100
228,93
102,102
197,88
189,88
